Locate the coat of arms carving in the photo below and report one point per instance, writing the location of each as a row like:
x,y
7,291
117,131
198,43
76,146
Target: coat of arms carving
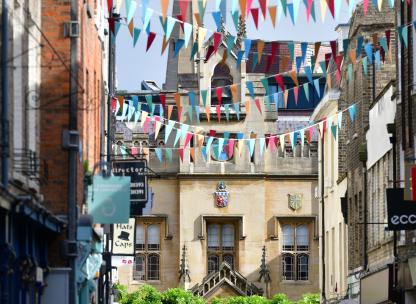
x,y
221,195
295,201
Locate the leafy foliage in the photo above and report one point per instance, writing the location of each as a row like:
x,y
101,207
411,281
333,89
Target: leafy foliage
x,y
149,295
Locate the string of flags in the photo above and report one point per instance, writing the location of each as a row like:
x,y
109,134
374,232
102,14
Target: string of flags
x,y
227,144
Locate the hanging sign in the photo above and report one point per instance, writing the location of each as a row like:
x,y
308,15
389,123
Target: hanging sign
x,y
123,238
136,170
401,213
108,199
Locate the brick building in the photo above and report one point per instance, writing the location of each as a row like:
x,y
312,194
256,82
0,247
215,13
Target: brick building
x,y
364,155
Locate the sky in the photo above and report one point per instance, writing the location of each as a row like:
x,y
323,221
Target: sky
x,y
134,64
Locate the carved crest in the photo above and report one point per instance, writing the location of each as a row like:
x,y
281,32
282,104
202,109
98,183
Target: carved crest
x,y
221,195
295,201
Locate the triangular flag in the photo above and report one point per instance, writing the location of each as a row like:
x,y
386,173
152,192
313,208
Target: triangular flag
x,y
170,24
177,136
231,147
263,7
218,111
168,152
217,18
188,138
150,39
147,17
237,110
187,32
365,66
308,71
247,46
291,48
243,6
339,119
360,41
170,110
261,145
208,112
234,95
158,152
183,6
260,47
317,86
247,106
230,43
334,131
217,40
255,15
279,80
227,111
294,77
251,143
272,13
302,137
178,46
131,27
257,102
236,18
143,118
130,10
352,111
192,153
204,94
282,141
306,89
168,129
180,152
158,124
218,91
296,92
250,88
136,34
403,34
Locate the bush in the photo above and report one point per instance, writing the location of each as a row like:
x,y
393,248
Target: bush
x,y
280,298
144,295
241,300
310,298
180,296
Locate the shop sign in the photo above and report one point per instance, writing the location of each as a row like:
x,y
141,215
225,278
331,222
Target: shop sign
x,y
123,238
136,170
108,199
401,213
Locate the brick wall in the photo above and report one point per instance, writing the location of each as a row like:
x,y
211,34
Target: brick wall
x,y
55,98
352,135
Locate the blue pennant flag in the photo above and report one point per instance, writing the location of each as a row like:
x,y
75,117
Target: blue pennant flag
x,y
308,71
369,51
178,45
317,87
191,95
240,55
158,152
352,111
247,45
360,41
217,19
303,47
250,88
291,13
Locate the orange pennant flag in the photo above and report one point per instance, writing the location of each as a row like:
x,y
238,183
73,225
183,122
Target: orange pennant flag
x,y
177,97
121,101
170,108
260,47
179,113
329,81
192,152
164,4
285,94
208,112
247,105
233,89
200,139
353,57
198,19
243,7
165,43
272,12
224,56
131,27
294,77
284,63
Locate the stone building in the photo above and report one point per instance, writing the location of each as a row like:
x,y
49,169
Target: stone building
x,y
272,198
365,156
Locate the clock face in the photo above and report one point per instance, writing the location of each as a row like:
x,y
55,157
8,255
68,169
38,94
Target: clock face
x,y
295,201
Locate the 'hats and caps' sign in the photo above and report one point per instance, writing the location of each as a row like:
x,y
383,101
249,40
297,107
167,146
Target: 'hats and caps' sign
x,y
108,199
401,213
136,169
123,238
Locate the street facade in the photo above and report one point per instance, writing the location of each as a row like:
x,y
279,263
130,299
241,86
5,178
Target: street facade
x,y
258,171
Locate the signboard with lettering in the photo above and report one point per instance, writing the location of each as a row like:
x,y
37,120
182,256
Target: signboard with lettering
x,y
123,238
401,213
136,169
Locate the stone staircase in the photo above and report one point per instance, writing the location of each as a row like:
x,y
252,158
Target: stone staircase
x,y
225,275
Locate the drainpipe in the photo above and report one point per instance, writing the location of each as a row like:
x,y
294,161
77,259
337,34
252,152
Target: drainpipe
x,y
4,96
73,155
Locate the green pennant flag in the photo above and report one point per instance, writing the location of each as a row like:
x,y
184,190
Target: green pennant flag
x,y
236,18
306,89
323,67
204,97
149,100
284,5
227,111
190,112
230,44
350,72
265,82
168,152
334,131
365,66
255,61
403,34
194,50
267,102
345,45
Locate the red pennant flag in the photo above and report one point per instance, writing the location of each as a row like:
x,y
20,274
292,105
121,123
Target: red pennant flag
x,y
218,109
181,21
272,142
217,40
331,7
188,139
113,104
296,93
255,14
219,95
109,5
212,133
150,39
163,100
209,53
270,60
180,152
310,131
308,10
279,80
183,6
231,147
388,32
263,7
333,44
267,137
257,102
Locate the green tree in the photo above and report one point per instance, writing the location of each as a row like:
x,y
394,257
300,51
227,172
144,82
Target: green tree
x,y
310,298
144,295
280,298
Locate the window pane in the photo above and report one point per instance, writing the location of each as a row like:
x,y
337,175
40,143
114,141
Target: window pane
x,y
213,237
228,237
229,259
153,234
288,267
140,240
213,263
303,267
139,268
153,267
302,238
288,238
